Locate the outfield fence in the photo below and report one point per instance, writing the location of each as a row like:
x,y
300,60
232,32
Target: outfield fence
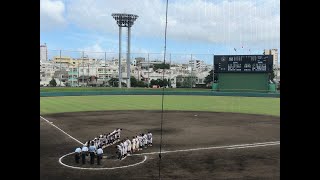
x,y
154,92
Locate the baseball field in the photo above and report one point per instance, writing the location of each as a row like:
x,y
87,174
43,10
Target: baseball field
x,y
204,137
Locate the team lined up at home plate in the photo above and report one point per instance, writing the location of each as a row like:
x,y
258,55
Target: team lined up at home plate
x,y
124,148
127,147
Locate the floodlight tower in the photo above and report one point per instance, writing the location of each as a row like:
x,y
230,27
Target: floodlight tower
x,y
124,20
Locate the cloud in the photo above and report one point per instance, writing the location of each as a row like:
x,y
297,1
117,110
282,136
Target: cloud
x,y
51,14
248,22
94,51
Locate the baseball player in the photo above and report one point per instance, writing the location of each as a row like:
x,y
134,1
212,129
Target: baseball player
x,y
133,144
111,138
145,140
119,132
104,140
129,150
101,140
108,139
137,143
125,149
114,134
122,149
119,151
95,142
149,139
140,142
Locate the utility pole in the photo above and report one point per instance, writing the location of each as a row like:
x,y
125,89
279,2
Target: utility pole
x,y
60,69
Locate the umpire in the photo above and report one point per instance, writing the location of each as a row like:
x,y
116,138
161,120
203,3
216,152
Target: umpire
x,y
92,150
77,154
84,154
99,154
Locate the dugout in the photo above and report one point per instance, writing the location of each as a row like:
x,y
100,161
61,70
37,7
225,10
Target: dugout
x,y
243,73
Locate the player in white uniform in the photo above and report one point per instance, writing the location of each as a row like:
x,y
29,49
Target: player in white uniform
x,y
125,149
119,149
101,140
96,142
149,139
118,132
137,143
113,135
133,144
122,149
129,150
140,139
104,140
145,140
111,138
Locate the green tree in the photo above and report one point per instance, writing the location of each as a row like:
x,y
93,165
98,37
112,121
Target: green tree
x,y
186,82
114,82
208,79
53,82
141,84
133,81
272,74
153,82
189,82
160,82
161,66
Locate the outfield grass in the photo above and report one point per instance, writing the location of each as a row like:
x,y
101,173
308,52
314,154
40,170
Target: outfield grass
x,y
77,89
251,105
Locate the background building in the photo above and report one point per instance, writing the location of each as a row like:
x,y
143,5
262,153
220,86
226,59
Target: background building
x,y
273,52
276,64
43,52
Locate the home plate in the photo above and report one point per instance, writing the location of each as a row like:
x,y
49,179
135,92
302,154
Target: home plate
x,y
195,115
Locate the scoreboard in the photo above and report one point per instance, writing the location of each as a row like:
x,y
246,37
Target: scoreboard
x,y
243,63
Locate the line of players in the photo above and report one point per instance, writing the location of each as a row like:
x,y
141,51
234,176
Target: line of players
x,y
94,147
106,139
127,147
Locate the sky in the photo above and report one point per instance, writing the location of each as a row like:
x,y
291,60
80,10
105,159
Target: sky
x,y
197,27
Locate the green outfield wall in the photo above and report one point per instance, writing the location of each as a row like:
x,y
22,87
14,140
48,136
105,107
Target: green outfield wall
x,y
199,93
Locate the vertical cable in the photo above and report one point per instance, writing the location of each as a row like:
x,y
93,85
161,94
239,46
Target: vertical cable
x,y
164,62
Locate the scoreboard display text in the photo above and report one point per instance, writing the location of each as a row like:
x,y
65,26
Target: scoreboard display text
x,y
243,63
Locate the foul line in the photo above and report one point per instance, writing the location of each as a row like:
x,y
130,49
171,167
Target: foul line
x,y
62,130
73,167
216,147
119,167
254,146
